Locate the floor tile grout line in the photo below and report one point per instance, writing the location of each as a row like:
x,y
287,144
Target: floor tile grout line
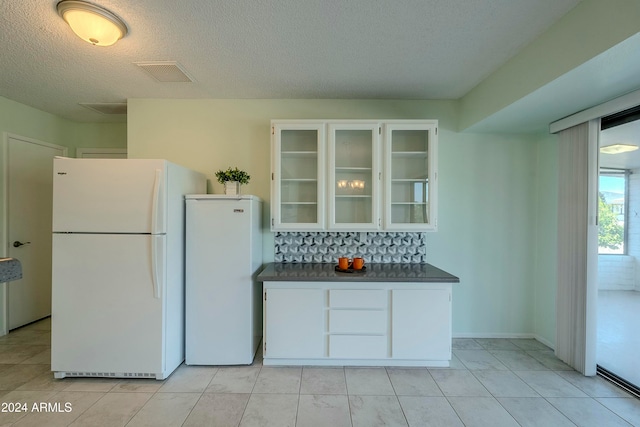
x,y
190,410
623,418
473,372
395,393
558,409
298,403
534,390
153,394
346,388
546,398
244,411
541,397
587,395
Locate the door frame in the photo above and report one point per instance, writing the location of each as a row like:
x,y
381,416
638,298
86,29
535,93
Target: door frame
x,y
4,213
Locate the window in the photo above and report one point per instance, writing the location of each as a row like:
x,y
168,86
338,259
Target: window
x,y
612,210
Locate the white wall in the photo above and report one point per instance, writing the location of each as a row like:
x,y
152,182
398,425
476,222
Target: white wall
x,y
546,215
22,120
490,203
617,272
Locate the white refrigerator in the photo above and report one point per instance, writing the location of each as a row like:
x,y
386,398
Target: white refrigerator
x,y
223,297
118,266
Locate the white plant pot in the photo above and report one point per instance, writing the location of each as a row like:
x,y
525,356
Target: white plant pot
x,y
231,188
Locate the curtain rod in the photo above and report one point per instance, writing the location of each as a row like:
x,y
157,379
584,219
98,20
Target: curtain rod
x,y
613,106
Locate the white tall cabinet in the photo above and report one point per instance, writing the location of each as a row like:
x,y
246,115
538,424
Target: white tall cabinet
x,y
367,175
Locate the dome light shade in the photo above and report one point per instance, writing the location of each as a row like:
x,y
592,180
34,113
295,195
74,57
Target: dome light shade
x,y
92,23
618,148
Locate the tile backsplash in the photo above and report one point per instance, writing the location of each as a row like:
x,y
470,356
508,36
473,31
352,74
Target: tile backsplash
x,y
328,246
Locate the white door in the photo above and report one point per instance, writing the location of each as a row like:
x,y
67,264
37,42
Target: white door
x,y
28,174
297,179
218,282
421,322
295,323
354,178
107,309
109,195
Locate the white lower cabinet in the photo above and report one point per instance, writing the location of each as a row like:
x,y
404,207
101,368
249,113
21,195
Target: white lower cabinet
x,y
295,323
352,322
358,346
419,328
357,324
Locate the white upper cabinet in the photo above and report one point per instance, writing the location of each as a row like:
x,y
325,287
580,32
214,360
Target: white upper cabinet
x,y
410,176
364,175
354,179
298,176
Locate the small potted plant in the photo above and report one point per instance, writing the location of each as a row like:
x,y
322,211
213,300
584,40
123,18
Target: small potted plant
x,y
232,179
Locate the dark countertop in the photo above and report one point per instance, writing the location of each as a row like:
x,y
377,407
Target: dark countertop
x,y
317,272
10,269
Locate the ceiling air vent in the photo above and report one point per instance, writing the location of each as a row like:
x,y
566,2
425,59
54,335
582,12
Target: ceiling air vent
x,y
106,107
165,71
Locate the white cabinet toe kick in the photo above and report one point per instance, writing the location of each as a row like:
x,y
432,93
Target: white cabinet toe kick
x,y
357,324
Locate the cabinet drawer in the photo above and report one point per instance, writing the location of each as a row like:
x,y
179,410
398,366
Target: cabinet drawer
x,y
358,298
358,321
358,346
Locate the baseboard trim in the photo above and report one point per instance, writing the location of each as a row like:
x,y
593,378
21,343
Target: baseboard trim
x,y
501,335
491,335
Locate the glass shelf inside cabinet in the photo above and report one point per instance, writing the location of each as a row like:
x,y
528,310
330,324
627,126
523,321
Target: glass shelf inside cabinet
x,y
298,140
299,176
296,213
410,201
353,176
422,154
299,200
353,210
353,184
409,176
299,154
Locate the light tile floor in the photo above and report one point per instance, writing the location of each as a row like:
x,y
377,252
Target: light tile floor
x,y
491,382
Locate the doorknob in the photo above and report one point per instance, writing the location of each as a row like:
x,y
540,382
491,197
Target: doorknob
x,y
17,244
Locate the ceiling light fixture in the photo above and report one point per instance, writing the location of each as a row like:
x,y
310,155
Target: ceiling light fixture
x,y
618,148
92,23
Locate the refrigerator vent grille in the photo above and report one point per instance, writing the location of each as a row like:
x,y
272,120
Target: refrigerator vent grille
x,y
110,374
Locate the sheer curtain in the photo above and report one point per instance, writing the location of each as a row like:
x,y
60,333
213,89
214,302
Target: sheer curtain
x,y
577,246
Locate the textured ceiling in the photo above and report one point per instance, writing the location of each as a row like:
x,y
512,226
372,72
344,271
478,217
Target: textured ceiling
x,y
387,49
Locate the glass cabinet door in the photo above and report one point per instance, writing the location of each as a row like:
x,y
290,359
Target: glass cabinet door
x,y
410,176
353,185
297,176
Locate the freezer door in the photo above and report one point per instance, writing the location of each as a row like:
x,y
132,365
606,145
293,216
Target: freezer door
x,y
109,195
219,286
107,312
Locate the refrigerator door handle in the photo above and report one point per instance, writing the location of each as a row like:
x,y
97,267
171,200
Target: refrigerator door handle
x,y
156,202
156,256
